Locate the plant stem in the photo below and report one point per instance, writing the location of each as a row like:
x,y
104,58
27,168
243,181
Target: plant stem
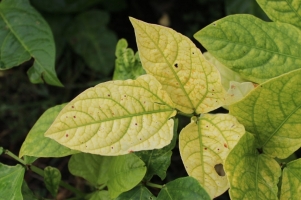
x,y
154,185
41,173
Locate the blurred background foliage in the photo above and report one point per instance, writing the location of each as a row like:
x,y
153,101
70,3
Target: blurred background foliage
x,y
86,34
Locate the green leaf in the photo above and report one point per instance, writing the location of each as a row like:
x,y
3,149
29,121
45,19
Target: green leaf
x,y
29,159
98,195
227,75
52,178
255,49
127,64
119,173
204,145
287,11
251,175
183,188
291,181
272,112
116,117
180,67
93,41
25,34
46,147
27,193
11,178
137,193
157,161
244,7
1,150
93,168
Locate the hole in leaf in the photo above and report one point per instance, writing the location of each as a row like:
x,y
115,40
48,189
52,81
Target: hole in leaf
x,y
260,150
219,168
176,65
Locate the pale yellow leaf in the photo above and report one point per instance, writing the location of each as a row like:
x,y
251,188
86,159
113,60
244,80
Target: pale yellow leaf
x,y
192,82
116,117
204,145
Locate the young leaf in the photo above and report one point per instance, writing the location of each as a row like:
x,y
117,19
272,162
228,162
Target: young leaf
x,y
272,112
287,11
91,39
52,178
157,161
11,178
255,49
251,175
180,67
116,117
137,193
183,188
96,172
227,75
127,64
204,146
25,34
291,181
46,147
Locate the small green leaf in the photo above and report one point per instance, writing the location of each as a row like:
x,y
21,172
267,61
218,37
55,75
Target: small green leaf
x,y
27,193
158,160
137,193
183,188
204,146
1,150
117,117
29,159
46,147
251,175
272,112
25,34
119,173
227,75
180,67
255,49
287,11
11,178
93,168
127,64
93,41
98,195
125,173
244,7
52,178
291,181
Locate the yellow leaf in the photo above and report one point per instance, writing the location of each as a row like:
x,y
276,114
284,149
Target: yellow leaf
x,y
191,81
204,145
116,117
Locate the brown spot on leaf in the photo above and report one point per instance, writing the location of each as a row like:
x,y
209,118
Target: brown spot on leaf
x,y
225,145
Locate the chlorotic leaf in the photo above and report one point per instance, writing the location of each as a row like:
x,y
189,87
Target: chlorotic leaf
x,y
180,67
119,173
46,147
291,181
125,173
272,112
139,192
183,188
91,39
157,161
11,178
127,64
204,145
98,195
52,178
116,117
255,49
287,11
227,75
251,175
237,91
95,172
25,34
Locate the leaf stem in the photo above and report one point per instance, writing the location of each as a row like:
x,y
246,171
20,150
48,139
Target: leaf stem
x,y
154,185
41,173
185,114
